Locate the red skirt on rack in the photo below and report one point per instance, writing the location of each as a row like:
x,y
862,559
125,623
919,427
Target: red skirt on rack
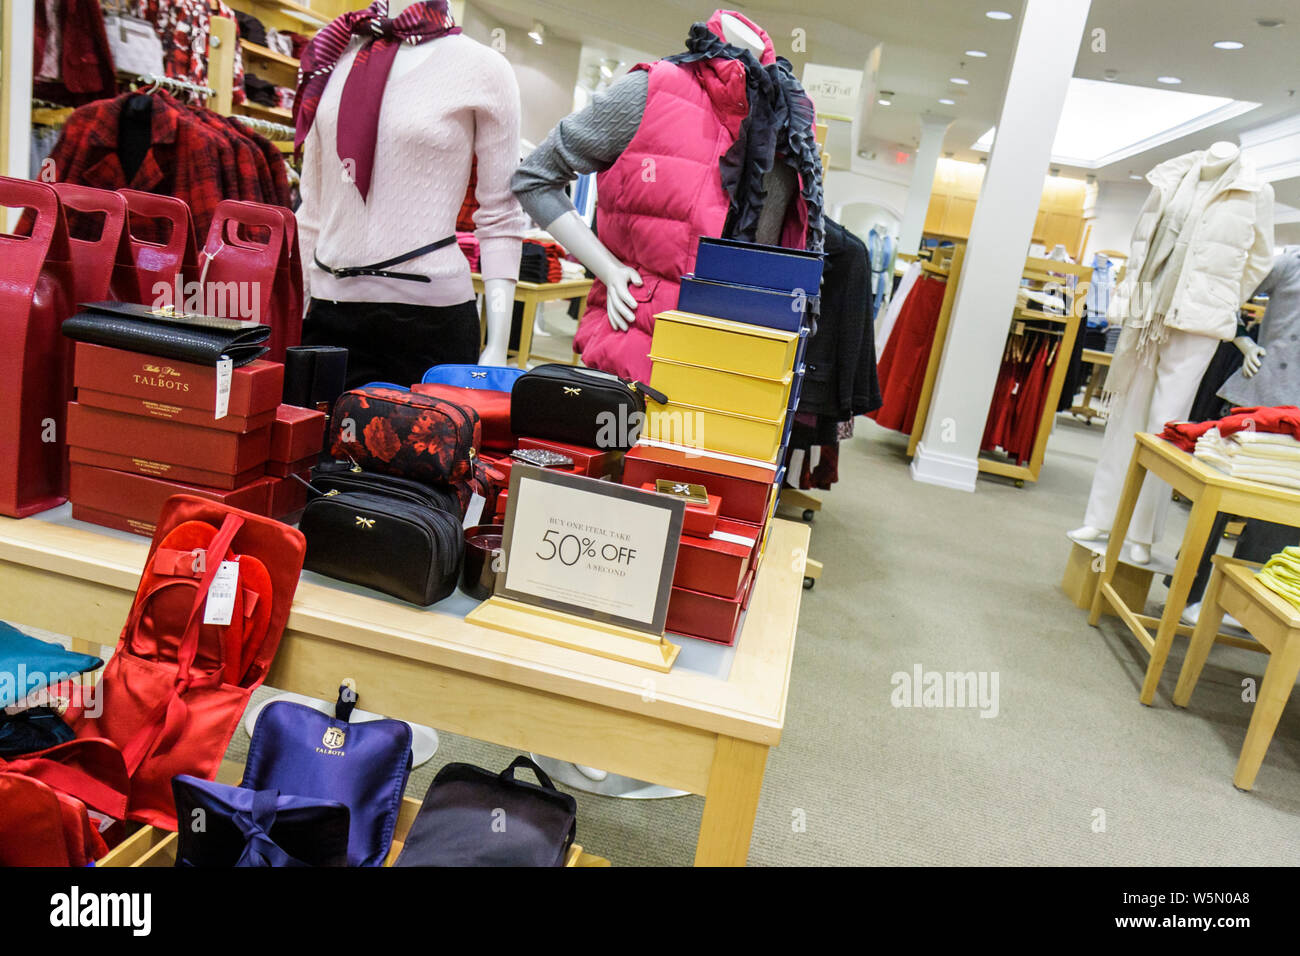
x,y
902,367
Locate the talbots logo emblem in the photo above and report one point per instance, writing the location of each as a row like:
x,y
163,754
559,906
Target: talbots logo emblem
x,y
334,738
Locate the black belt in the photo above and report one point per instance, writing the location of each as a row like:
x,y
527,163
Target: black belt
x,y
377,268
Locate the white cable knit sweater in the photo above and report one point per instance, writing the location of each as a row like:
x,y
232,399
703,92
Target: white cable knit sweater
x,y
446,100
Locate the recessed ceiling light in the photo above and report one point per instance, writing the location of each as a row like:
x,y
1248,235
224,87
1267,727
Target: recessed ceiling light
x,y
978,54
1111,75
1269,22
1228,45
538,33
884,102
960,81
1168,80
998,15
1135,176
947,102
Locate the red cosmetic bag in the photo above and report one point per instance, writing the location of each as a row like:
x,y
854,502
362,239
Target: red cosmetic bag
x,y
36,295
397,432
173,693
493,411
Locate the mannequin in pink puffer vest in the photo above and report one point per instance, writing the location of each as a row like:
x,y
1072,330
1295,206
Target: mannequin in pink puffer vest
x,y
662,193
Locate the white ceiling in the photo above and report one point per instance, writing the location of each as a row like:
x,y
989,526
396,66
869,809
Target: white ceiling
x,y
924,43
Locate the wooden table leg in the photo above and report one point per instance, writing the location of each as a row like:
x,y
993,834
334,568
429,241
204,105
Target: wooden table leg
x,y
1127,502
1199,525
526,330
1207,626
731,803
1279,678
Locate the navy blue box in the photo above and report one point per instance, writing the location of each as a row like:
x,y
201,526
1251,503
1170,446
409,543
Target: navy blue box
x,y
742,303
767,267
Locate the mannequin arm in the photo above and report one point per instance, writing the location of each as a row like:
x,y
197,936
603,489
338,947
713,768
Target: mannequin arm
x,y
499,299
572,233
1251,353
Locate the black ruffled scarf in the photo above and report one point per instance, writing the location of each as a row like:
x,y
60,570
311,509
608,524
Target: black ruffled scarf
x,y
779,125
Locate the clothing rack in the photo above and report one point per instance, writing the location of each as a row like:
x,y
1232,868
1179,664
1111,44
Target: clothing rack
x,y
277,132
1041,272
947,268
154,81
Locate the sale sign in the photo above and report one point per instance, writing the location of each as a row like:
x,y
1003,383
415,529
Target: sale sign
x,y
593,548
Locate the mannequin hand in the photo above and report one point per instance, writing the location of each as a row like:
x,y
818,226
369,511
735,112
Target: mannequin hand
x,y
493,355
1252,355
620,304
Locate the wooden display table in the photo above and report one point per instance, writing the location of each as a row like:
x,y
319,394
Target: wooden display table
x,y
1275,623
1100,362
705,727
533,294
1210,491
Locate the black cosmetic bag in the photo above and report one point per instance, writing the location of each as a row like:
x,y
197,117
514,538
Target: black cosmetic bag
x,y
474,817
580,406
386,539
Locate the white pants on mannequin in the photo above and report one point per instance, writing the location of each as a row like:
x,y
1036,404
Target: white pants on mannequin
x,y
1157,394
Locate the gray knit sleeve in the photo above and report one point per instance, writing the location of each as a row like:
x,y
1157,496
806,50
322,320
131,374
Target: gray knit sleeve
x,y
589,141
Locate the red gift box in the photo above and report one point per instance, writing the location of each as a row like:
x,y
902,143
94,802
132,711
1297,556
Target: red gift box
x,y
167,411
106,519
592,462
287,497
255,388
699,521
744,488
161,469
283,469
200,449
135,501
717,564
296,433
708,616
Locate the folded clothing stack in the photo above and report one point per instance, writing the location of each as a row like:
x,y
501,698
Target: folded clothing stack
x,y
1278,419
540,262
1282,574
1260,456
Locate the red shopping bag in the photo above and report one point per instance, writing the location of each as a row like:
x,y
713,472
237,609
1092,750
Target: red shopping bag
x,y
172,695
160,235
103,268
250,259
36,295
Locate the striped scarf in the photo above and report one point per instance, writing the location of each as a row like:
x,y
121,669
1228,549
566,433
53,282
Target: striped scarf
x,y
417,24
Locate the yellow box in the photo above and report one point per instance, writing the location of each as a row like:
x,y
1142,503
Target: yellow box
x,y
712,430
745,349
706,387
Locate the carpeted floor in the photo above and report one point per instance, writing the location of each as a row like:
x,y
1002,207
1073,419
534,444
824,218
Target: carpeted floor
x,y
1072,770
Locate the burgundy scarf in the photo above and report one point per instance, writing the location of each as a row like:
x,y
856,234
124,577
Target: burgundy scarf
x,y
363,92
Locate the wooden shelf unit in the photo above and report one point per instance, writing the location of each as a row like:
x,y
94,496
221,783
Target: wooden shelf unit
x,y
1041,271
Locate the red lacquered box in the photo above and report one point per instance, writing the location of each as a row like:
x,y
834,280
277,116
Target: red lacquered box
x,y
296,434
106,519
699,521
708,616
499,462
717,564
167,411
197,449
592,462
135,501
283,469
286,497
743,487
161,469
255,388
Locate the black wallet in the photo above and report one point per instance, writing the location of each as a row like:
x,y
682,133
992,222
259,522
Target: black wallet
x,y
315,376
474,817
182,337
579,406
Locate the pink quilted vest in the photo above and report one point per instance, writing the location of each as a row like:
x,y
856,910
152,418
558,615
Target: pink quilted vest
x,y
665,192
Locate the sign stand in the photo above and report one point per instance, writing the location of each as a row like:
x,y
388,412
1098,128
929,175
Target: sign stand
x,y
569,630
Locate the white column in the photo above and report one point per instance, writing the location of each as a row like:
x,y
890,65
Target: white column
x,y
933,129
1046,47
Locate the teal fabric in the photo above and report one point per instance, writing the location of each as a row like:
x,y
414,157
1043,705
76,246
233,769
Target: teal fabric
x,y
27,664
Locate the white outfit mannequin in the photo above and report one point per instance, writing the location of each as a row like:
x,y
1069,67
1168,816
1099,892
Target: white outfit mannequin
x,y
421,64
1162,388
576,236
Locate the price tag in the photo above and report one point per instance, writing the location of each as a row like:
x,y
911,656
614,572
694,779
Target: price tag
x,y
475,511
600,550
225,375
220,606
